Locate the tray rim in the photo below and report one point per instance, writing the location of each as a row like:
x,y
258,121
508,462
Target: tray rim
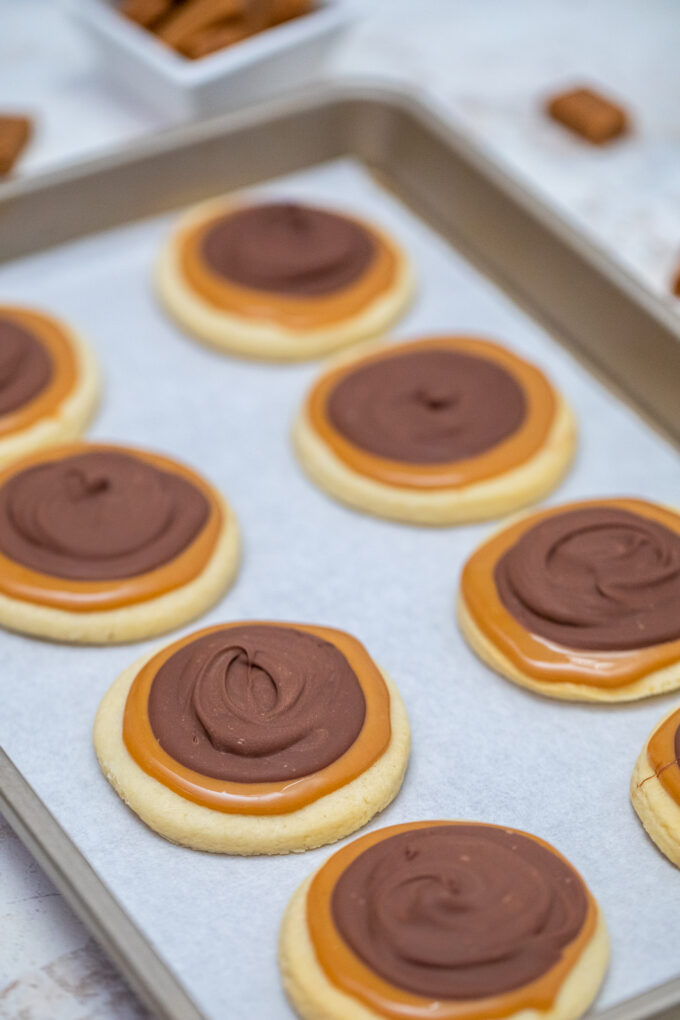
x,y
89,898
349,90
26,813
626,293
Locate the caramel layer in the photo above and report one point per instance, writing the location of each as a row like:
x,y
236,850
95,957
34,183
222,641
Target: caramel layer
x,y
662,755
65,369
261,798
506,455
535,656
350,975
20,582
290,312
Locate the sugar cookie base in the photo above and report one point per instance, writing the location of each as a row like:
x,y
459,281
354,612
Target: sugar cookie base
x,y
492,497
263,338
659,682
139,620
314,997
656,809
70,418
183,821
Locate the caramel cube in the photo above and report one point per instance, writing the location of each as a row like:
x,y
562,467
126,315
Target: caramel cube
x,y
145,12
589,115
14,134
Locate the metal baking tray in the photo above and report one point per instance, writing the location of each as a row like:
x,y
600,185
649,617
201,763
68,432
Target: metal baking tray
x,y
621,332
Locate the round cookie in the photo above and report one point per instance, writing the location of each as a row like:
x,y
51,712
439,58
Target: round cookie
x,y
254,738
436,431
655,786
48,382
579,601
282,281
444,920
102,543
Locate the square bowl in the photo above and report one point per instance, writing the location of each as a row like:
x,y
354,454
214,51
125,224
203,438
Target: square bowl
x,y
275,60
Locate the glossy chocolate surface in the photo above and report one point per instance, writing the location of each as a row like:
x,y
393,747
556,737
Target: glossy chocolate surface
x,y
288,249
459,911
98,515
26,367
599,578
256,703
427,406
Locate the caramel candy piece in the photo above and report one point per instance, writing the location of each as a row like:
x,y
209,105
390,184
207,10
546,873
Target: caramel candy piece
x,y
286,10
191,18
216,37
196,28
14,134
589,115
675,283
258,15
146,13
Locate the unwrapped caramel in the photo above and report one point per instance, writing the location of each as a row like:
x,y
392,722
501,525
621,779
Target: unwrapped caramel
x,y
675,283
196,28
589,115
14,135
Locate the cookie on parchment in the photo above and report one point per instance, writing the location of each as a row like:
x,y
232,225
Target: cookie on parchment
x,y
254,738
283,281
49,383
655,786
579,601
452,920
437,431
103,543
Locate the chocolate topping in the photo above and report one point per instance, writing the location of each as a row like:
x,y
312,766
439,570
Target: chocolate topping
x,y
427,407
256,703
289,249
459,911
598,578
25,366
98,516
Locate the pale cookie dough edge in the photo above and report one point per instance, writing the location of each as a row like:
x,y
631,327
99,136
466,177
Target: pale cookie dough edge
x,y
493,497
660,681
70,418
654,806
182,821
254,338
314,997
139,620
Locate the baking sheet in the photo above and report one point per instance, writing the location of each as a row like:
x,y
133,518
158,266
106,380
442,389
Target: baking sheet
x,y
482,749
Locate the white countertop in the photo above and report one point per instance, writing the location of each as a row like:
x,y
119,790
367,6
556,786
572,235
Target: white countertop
x,y
489,64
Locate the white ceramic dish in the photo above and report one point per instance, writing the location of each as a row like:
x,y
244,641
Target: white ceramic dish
x,y
269,63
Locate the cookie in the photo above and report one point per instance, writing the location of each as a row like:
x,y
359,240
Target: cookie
x,y
254,738
579,601
282,281
102,543
655,786
452,920
48,382
436,431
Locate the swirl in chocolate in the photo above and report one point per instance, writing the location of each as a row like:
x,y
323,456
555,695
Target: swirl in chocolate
x,y
597,578
256,703
288,249
459,911
25,366
98,516
428,406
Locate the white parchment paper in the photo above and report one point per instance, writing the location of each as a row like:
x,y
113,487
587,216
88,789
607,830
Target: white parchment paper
x,y
482,748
